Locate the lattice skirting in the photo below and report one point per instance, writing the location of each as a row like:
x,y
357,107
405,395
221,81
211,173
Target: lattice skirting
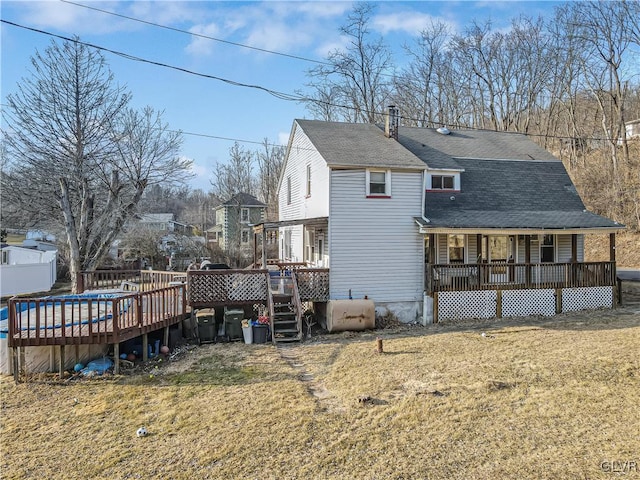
x,y
471,304
518,303
522,303
574,299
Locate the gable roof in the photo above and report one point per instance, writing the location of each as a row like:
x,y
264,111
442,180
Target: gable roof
x,y
357,145
156,217
440,151
507,180
244,200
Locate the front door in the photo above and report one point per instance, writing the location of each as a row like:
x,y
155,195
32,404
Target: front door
x,y
498,250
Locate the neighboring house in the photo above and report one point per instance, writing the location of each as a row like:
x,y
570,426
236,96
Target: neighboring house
x,y
436,224
633,128
234,219
26,270
162,222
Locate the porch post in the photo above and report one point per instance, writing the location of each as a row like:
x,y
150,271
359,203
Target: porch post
x,y
574,259
479,258
255,249
264,247
527,258
612,247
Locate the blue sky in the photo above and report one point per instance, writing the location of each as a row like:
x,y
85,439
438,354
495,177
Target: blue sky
x,y
209,107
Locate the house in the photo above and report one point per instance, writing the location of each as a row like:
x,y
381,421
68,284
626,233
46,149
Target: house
x,y
234,219
633,128
434,224
27,270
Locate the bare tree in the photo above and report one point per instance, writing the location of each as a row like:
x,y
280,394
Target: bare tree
x,y
235,176
79,157
270,161
357,78
420,88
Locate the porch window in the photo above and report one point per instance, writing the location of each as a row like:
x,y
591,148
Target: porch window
x,y
442,182
244,215
547,249
378,183
456,248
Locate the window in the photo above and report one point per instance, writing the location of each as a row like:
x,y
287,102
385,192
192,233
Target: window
x,y
456,248
244,215
5,257
308,193
288,190
442,182
547,249
245,236
378,183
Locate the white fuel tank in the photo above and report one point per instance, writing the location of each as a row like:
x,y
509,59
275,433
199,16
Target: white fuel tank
x,y
350,315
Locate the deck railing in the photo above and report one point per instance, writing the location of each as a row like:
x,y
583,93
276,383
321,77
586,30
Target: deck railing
x,y
85,320
208,288
313,284
504,275
147,279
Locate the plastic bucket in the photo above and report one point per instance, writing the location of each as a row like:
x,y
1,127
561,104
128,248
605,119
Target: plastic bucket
x,y
247,334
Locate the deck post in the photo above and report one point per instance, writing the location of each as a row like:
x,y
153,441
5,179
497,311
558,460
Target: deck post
x,y
499,304
558,300
264,247
77,353
116,358
61,359
165,339
145,347
16,364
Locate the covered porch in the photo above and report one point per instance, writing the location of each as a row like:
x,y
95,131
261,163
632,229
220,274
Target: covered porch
x,y
496,273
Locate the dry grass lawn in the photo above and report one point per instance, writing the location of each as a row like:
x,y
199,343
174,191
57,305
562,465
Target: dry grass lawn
x,y
532,398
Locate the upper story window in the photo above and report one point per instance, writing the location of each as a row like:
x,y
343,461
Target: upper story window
x,y
378,183
288,190
244,215
442,182
308,191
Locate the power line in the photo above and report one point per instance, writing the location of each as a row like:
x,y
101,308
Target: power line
x,y
275,93
235,44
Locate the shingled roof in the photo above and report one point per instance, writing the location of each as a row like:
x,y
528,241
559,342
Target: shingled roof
x,y
244,200
507,180
357,145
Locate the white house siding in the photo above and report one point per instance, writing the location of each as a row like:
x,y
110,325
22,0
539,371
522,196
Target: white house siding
x,y
301,154
374,245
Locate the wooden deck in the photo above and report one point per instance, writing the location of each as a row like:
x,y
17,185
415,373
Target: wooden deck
x,y
83,320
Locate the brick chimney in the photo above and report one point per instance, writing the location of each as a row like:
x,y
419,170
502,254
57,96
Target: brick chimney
x,y
391,122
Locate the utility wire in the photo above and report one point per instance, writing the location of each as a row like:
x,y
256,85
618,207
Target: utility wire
x,y
275,93
235,44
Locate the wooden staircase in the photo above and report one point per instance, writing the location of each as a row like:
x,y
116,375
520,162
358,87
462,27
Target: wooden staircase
x,y
285,309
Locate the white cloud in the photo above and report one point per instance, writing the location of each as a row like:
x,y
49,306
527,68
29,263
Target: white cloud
x,y
203,46
69,18
409,22
283,138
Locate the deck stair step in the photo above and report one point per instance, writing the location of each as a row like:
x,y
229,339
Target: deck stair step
x,y
285,318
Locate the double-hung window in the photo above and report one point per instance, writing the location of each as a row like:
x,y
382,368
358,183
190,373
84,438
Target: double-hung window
x,y
442,182
308,191
244,215
378,183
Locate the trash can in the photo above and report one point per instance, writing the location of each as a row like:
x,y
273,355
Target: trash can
x,y
260,333
233,324
247,332
206,325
